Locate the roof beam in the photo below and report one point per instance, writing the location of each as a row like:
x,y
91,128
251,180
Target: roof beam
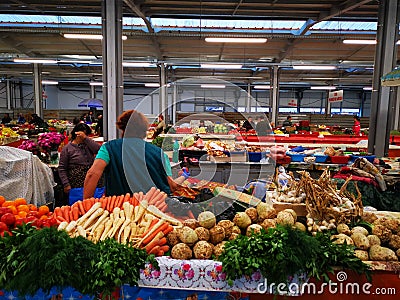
x,y
33,7
156,45
287,49
17,45
333,12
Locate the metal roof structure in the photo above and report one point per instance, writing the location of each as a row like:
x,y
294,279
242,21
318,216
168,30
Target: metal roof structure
x,y
173,32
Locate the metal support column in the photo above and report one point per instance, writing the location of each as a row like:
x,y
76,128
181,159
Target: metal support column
x,y
92,92
174,103
37,89
112,66
8,94
275,96
396,123
163,90
382,98
248,99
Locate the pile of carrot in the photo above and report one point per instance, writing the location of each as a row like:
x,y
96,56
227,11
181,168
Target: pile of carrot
x,y
154,240
71,213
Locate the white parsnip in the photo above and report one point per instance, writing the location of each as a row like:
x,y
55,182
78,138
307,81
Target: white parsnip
x,y
98,232
121,230
71,227
100,220
142,209
81,231
117,224
116,212
93,217
158,213
125,234
87,215
62,225
107,228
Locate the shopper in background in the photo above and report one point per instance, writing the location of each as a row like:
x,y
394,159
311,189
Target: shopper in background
x,y
249,124
287,122
356,126
160,126
89,118
130,163
21,119
99,126
262,127
38,121
75,160
6,119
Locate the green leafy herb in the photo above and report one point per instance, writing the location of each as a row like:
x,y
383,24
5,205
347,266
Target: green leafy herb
x,y
282,252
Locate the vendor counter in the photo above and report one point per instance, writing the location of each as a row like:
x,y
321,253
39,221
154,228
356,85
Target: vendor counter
x,y
232,173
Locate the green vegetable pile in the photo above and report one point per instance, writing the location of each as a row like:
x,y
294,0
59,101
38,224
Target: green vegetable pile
x,y
165,143
283,251
34,259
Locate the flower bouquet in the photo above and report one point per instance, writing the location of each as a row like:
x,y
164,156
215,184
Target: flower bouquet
x,y
50,141
30,146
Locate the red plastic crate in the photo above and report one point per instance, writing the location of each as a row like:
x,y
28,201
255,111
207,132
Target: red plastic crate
x,y
343,160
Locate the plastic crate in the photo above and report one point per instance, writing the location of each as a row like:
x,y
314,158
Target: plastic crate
x,y
342,160
297,157
284,160
321,158
256,156
370,158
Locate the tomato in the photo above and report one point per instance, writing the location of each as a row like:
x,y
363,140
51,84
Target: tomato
x,y
30,219
3,226
4,210
19,222
32,213
8,218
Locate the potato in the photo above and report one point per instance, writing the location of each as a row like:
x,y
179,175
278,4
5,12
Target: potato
x,y
383,233
343,228
360,240
382,253
373,240
341,239
359,229
361,254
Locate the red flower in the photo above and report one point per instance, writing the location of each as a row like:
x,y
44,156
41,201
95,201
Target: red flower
x,y
186,267
218,268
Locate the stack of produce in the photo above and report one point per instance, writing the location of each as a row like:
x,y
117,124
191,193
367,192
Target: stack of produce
x,y
378,240
16,212
327,206
138,220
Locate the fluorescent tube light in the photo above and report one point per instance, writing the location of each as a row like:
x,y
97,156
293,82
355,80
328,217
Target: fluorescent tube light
x,y
262,87
326,87
137,64
221,66
367,88
235,40
35,61
212,86
66,61
151,84
310,67
360,42
49,82
95,83
87,36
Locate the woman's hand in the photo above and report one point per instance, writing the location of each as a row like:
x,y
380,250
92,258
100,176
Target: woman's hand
x,y
67,188
80,136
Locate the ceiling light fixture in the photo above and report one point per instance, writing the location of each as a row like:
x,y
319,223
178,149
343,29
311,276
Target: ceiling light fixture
x,y
96,83
367,88
221,66
151,84
360,42
235,40
262,87
310,67
35,61
212,86
49,82
137,64
326,87
87,36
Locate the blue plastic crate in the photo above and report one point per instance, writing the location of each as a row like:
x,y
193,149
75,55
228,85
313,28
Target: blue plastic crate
x,y
297,157
321,158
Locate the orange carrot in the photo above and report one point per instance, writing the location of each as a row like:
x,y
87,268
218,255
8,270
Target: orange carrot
x,y
158,230
61,219
75,213
104,202
126,198
70,216
168,230
135,201
81,208
164,207
157,198
162,241
111,203
160,253
151,193
190,214
86,204
57,212
153,250
119,201
164,248
153,222
73,205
